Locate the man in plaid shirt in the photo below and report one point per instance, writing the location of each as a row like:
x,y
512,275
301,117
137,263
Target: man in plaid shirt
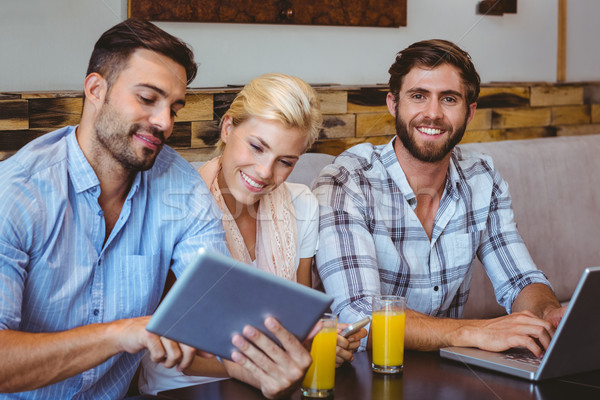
x,y
409,217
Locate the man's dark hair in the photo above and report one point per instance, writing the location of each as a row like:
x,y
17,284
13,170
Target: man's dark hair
x,y
115,46
431,54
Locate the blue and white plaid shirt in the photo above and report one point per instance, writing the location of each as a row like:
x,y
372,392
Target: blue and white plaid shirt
x,y
371,241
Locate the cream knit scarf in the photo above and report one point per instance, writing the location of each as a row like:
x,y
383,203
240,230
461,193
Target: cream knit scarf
x,y
276,230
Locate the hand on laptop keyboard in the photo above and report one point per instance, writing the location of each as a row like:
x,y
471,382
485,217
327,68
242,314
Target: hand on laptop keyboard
x,y
522,355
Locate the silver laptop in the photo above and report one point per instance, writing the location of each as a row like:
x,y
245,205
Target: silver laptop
x,y
574,348
216,296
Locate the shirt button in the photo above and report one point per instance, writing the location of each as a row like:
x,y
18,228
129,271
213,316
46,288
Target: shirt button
x,y
96,312
100,213
436,288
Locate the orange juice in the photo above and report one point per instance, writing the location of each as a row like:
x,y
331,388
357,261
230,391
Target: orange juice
x,y
388,338
321,373
387,387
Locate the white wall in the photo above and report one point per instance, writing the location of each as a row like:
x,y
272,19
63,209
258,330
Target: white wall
x,y
583,40
45,45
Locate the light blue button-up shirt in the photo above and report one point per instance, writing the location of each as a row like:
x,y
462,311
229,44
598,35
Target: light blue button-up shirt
x,y
56,272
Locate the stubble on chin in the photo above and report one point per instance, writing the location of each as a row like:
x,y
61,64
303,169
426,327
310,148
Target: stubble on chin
x,y
116,145
428,152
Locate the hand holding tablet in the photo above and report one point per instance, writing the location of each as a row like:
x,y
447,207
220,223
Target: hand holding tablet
x,y
216,297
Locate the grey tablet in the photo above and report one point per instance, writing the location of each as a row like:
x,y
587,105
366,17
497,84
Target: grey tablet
x,y
217,296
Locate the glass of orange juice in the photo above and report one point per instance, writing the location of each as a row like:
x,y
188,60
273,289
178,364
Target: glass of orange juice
x,y
387,330
319,379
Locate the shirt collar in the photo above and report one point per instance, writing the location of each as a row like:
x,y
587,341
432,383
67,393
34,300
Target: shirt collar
x,y
81,172
390,161
455,174
392,165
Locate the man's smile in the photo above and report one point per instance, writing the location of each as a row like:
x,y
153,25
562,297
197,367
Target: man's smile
x,y
430,131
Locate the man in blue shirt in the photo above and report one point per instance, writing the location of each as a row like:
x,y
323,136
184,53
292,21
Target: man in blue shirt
x,y
91,220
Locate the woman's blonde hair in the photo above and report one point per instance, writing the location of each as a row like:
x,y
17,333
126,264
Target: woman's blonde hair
x,y
278,97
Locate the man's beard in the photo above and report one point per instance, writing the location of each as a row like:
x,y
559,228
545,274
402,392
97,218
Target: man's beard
x,y
110,131
428,152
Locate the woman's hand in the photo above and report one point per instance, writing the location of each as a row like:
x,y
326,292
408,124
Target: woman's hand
x,y
345,347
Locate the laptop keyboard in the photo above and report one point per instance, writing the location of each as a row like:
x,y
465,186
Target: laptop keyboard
x,y
524,356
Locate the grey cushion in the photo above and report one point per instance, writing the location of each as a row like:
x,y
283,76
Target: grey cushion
x,y
555,186
308,167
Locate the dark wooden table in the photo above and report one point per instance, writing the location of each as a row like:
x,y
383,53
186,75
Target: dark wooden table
x,y
425,376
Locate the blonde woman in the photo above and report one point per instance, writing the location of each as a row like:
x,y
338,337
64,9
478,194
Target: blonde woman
x,y
269,223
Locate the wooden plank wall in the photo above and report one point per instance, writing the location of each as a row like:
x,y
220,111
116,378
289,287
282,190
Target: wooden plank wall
x,y
353,114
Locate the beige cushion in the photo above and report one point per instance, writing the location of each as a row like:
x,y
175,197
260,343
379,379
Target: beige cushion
x,y
308,167
555,186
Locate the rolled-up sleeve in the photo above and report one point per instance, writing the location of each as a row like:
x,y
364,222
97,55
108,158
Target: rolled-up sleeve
x,y
18,210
